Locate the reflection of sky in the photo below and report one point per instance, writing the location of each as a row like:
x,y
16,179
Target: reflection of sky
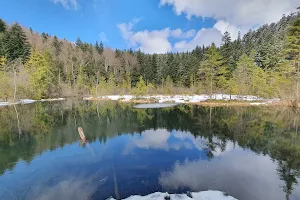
x,y
155,160
175,140
242,174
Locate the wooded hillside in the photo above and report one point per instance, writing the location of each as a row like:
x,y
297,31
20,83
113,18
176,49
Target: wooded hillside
x,y
264,62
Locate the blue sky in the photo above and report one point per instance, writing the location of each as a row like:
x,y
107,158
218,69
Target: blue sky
x,y
154,26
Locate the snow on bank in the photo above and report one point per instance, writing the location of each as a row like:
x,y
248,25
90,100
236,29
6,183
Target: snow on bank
x,y
206,195
182,98
156,105
28,101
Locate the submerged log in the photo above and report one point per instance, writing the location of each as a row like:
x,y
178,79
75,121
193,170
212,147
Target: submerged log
x,y
81,134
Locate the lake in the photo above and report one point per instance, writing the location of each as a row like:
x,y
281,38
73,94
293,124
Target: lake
x,y
247,153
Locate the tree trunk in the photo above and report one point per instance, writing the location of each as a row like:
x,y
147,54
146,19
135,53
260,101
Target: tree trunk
x,y
97,83
297,93
211,87
15,85
18,121
73,74
58,76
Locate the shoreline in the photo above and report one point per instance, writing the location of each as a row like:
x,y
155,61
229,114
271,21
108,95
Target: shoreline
x,y
28,101
218,100
210,103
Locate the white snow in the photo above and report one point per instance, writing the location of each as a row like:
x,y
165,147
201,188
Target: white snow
x,y
57,99
28,101
206,195
155,105
4,104
258,103
22,101
181,98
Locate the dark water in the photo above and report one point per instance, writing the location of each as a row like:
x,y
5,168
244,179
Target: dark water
x,y
250,153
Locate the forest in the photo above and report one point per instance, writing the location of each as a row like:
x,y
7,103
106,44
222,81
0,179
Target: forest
x,y
264,62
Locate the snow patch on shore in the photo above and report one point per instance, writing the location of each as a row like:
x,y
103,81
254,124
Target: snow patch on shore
x,y
206,195
27,101
156,105
181,98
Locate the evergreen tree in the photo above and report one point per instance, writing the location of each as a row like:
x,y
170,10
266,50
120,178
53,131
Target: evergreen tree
x,y
97,46
57,46
79,43
211,67
2,26
40,78
45,37
16,45
293,50
226,50
101,48
141,87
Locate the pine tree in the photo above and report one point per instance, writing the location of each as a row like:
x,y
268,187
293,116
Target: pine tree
x,y
2,45
16,45
45,37
250,78
210,68
97,46
57,46
79,43
141,87
2,26
169,84
293,51
101,48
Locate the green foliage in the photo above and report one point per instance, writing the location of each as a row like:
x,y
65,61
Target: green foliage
x,y
169,85
99,88
212,68
38,67
81,82
99,48
44,36
16,45
5,86
3,61
141,88
273,70
2,26
57,46
111,85
126,84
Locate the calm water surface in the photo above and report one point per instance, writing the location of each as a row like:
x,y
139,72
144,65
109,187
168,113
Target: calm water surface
x,y
250,153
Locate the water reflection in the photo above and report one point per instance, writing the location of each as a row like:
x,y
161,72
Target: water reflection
x,y
243,174
250,153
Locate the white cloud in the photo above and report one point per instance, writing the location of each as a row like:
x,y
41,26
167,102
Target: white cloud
x,y
67,4
203,37
178,33
154,41
234,15
223,26
157,139
235,172
237,12
103,37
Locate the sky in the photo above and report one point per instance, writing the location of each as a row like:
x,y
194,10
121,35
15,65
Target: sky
x,y
154,26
